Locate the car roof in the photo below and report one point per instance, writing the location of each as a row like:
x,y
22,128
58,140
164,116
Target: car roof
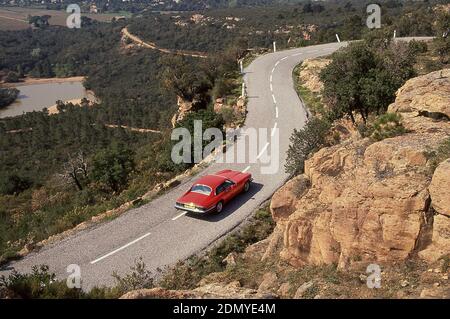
x,y
211,180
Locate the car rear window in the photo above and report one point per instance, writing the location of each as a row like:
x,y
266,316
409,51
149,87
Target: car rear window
x,y
201,189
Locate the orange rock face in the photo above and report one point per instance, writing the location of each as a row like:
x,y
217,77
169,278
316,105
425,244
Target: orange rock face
x,y
368,202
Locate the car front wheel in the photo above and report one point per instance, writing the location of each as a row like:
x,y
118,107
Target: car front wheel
x,y
246,186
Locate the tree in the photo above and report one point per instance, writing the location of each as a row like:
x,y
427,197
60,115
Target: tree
x,y
363,78
183,77
12,77
305,142
7,96
14,183
39,21
111,167
75,170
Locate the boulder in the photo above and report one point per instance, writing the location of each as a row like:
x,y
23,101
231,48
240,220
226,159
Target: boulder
x,y
269,282
429,93
440,188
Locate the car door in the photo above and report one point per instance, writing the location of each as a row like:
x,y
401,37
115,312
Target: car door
x,y
229,190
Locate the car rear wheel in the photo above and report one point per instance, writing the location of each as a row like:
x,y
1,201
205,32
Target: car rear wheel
x,y
246,186
219,207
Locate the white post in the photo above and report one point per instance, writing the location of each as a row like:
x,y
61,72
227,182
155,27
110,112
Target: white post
x,y
395,34
243,89
274,46
241,65
337,37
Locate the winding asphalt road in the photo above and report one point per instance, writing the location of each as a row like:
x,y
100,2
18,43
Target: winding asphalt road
x,y
162,235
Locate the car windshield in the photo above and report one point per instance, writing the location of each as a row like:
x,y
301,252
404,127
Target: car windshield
x,y
201,189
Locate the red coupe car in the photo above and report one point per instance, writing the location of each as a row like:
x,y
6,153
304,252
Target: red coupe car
x,y
211,192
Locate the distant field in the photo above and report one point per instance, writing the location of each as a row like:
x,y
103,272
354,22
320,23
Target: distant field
x,y
15,18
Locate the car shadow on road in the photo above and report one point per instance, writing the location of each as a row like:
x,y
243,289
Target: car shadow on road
x,y
231,206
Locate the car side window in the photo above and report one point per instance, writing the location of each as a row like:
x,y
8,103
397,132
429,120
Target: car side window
x,y
228,184
222,187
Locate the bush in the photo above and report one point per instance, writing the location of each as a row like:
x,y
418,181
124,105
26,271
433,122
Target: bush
x,y
12,77
38,284
387,125
8,96
14,184
305,142
417,47
112,167
439,155
139,278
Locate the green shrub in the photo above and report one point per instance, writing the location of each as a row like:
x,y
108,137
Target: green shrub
x,y
387,125
7,96
439,155
139,278
305,142
38,284
417,46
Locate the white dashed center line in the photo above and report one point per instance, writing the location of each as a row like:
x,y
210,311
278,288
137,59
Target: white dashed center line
x,y
119,249
262,151
273,129
276,111
178,216
274,100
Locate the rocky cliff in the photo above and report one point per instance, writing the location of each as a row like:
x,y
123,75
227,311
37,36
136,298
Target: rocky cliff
x,y
362,201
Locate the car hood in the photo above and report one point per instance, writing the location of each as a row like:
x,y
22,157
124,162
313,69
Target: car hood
x,y
196,199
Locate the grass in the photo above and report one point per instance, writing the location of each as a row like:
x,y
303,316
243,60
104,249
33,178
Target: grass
x,y
435,157
312,100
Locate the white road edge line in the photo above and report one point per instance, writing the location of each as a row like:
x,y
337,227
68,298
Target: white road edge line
x,y
273,129
246,169
296,54
178,216
276,111
273,98
276,64
262,151
284,58
271,87
271,78
119,249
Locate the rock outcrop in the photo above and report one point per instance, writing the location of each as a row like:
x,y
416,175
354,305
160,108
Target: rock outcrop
x,y
440,188
309,73
427,94
368,201
232,290
185,107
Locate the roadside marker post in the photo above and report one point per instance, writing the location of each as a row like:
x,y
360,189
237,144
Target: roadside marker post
x,y
337,37
241,66
274,46
243,89
395,34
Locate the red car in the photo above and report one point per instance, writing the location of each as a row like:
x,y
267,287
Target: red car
x,y
211,192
